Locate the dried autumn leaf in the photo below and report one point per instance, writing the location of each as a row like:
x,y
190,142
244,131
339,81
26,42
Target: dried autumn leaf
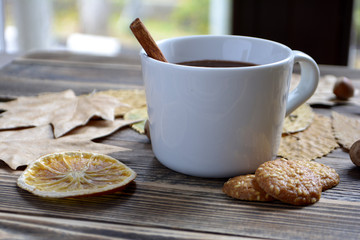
x,y
33,133
299,120
19,147
98,128
37,111
346,129
63,110
134,98
17,153
316,141
87,106
138,114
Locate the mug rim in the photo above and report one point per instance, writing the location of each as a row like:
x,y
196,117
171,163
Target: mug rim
x,y
271,64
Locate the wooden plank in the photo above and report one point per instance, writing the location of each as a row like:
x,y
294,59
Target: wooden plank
x,y
162,198
64,56
18,226
9,86
62,63
159,206
67,56
36,75
122,74
161,203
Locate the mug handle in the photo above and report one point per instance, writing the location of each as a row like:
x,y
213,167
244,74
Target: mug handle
x,y
310,75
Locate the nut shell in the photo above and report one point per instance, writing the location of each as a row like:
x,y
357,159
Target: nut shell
x,y
355,153
343,88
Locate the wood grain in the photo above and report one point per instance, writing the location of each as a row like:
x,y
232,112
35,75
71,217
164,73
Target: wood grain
x,y
161,204
120,73
163,199
69,57
18,226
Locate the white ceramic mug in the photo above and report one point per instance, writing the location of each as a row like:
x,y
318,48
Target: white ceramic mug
x,y
222,122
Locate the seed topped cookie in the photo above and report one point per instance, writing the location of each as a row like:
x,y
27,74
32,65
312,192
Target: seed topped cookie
x,y
328,176
245,187
289,182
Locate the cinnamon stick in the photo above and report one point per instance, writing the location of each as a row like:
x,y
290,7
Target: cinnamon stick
x,y
146,41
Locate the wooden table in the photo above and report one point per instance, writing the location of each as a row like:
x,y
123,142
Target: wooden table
x,y
161,204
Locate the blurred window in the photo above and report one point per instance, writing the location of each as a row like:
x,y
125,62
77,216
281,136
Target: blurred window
x,y
102,26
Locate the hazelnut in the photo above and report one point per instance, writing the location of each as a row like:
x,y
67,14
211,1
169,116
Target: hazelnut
x,y
355,153
343,88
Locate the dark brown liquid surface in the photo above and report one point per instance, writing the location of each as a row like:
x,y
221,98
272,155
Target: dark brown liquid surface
x,y
217,63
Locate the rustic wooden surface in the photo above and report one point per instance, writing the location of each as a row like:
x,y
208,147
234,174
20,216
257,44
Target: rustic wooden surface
x,y
160,204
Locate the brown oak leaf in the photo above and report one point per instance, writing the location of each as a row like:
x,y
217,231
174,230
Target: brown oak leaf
x,y
132,98
22,152
41,132
87,107
98,128
346,129
19,147
63,110
37,111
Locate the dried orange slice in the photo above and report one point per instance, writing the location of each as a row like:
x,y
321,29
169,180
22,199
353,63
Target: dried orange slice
x,y
74,174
